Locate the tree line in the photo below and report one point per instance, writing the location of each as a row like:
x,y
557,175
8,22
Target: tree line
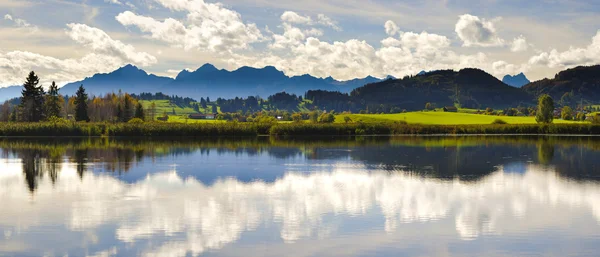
x,y
35,105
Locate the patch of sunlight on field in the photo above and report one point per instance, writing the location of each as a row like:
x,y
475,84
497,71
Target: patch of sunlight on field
x,y
439,118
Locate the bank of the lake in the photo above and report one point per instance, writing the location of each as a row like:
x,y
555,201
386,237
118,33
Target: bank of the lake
x,y
156,129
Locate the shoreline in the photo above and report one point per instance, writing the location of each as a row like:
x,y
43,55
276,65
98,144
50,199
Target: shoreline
x,y
237,129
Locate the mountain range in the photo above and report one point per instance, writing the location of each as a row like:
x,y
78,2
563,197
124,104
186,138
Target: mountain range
x,y
518,80
469,87
208,81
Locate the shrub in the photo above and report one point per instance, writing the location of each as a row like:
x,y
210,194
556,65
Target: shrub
x,y
135,121
499,121
326,118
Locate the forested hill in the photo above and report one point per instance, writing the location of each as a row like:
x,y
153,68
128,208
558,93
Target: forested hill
x,y
469,88
582,82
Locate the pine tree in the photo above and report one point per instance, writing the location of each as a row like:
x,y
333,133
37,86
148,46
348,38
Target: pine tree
x,y
13,115
32,100
139,112
120,116
214,109
128,111
81,105
53,102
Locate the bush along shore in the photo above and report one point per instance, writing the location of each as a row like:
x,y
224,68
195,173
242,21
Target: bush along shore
x,y
156,129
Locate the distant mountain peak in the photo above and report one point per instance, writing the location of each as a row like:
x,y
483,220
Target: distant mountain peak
x,y
129,69
207,67
518,80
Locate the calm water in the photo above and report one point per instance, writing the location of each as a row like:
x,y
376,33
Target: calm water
x,y
373,196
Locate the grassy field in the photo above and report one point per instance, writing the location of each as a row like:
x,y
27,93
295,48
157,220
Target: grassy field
x,y
439,118
181,113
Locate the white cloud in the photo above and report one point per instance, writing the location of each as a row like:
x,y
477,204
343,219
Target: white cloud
x,y
589,55
113,2
408,54
474,31
324,20
20,22
519,44
391,28
501,68
210,27
106,55
292,17
102,43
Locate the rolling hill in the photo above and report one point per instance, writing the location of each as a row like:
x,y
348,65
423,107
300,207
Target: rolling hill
x,y
470,88
582,81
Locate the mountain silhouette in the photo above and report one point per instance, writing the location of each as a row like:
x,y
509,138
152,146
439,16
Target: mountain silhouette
x,y
518,80
129,79
7,93
208,81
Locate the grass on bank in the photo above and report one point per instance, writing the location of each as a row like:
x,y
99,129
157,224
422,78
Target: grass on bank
x,y
164,129
441,118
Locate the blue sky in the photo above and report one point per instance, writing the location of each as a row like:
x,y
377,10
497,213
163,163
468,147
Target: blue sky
x,y
67,40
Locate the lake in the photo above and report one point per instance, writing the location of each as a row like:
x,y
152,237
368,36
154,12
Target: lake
x,y
345,196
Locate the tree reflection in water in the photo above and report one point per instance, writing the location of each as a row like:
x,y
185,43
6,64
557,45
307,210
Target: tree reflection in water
x,y
465,158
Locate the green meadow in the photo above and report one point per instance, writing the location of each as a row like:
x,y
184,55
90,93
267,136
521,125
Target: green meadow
x,y
439,118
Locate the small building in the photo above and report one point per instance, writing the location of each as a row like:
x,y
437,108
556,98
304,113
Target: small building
x,y
201,116
557,112
279,117
450,109
164,118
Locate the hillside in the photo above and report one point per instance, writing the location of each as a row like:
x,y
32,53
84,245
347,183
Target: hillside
x,y
583,81
470,88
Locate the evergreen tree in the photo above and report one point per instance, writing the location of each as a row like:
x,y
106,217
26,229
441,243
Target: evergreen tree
x,y
32,100
127,108
13,115
139,112
120,116
81,105
53,102
214,108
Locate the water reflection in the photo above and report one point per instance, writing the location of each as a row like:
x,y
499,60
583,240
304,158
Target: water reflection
x,y
376,198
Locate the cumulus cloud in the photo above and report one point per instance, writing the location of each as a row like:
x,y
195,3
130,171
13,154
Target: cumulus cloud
x,y
407,54
210,27
102,43
474,31
589,55
501,68
291,37
391,28
292,17
322,19
106,55
519,44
